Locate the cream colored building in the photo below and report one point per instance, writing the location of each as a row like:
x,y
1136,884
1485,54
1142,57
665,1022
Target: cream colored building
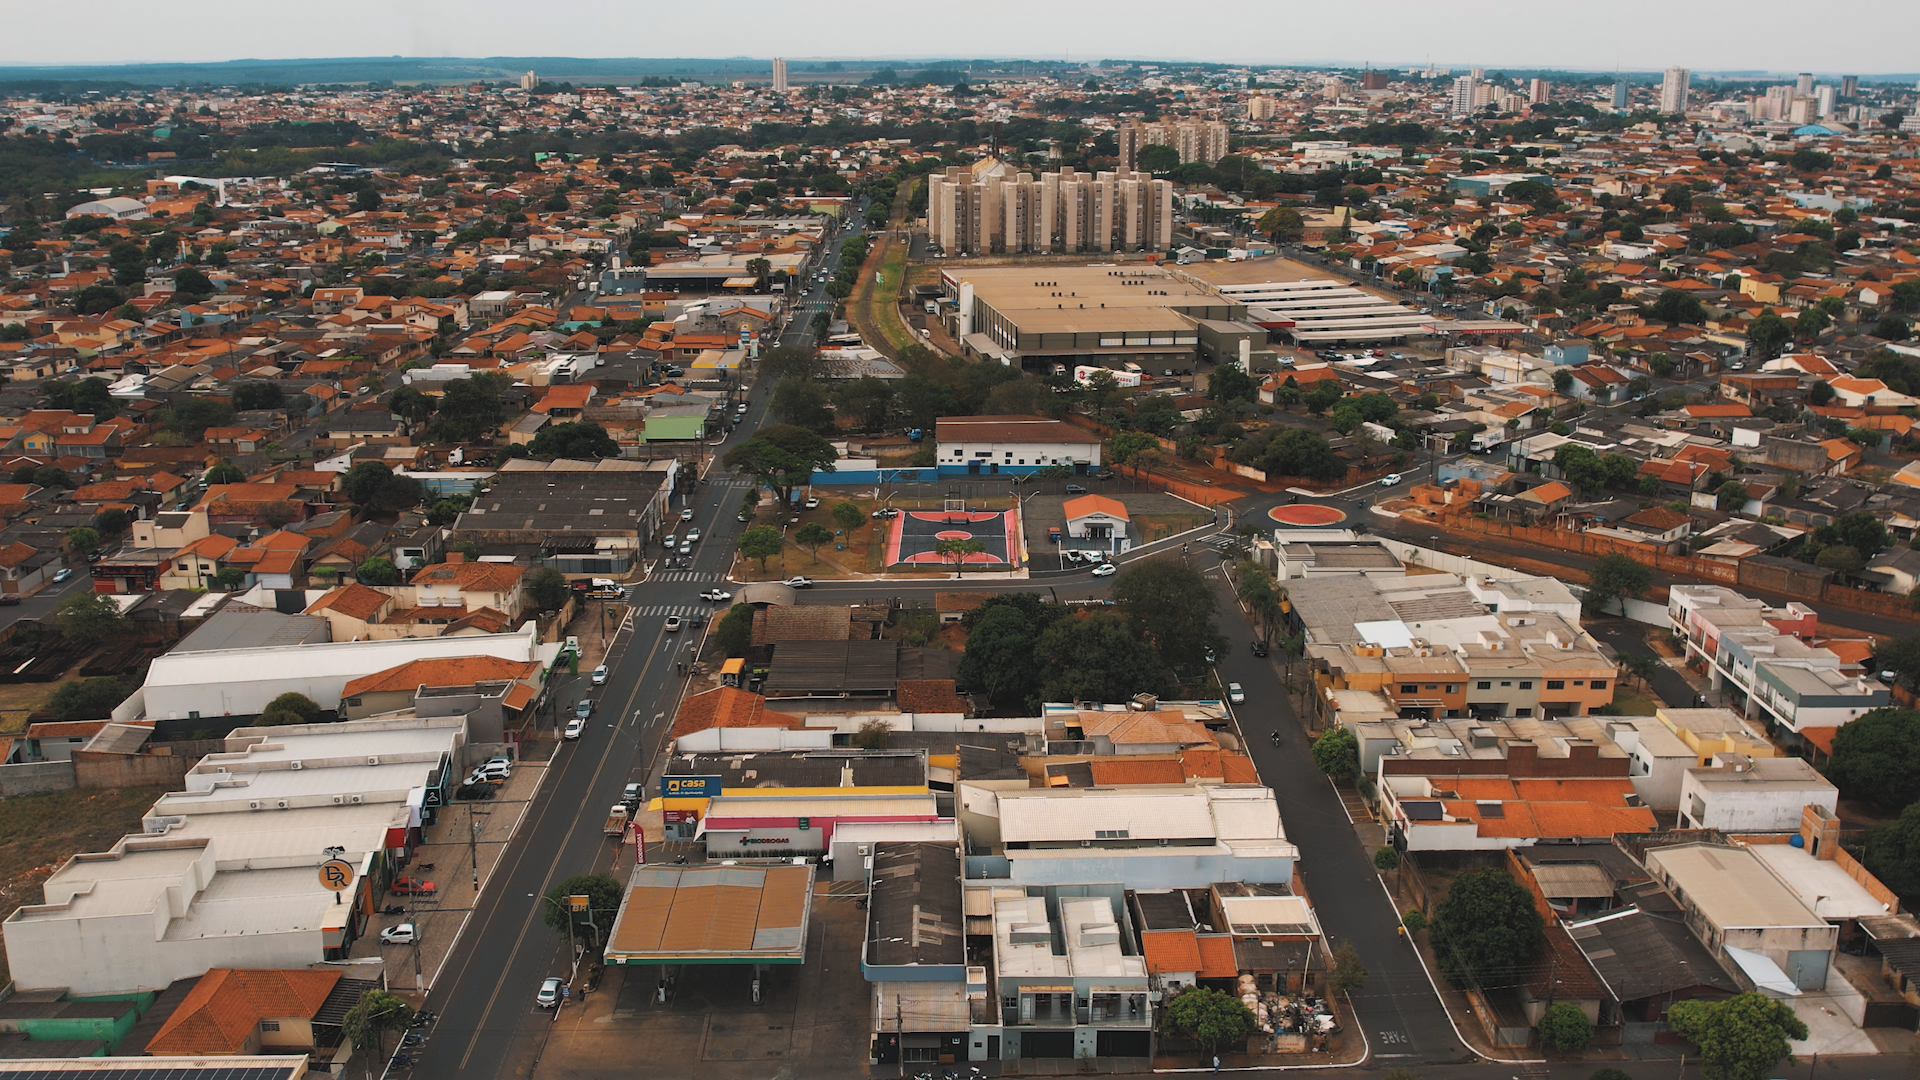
x,y
987,208
1195,140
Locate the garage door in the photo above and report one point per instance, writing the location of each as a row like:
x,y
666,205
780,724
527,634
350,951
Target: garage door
x,y
1040,1044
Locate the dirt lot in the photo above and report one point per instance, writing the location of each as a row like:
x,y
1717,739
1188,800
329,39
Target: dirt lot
x,y
39,832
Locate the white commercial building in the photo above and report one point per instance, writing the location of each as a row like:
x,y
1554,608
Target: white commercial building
x,y
1740,794
1013,444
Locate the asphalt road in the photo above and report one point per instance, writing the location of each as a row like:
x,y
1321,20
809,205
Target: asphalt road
x,y
488,1023
42,603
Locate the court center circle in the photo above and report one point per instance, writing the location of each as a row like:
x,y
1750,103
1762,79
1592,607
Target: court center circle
x,y
953,534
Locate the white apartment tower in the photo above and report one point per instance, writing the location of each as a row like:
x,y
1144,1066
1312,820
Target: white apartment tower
x,y
1803,84
1194,140
1259,107
1538,91
779,75
528,81
974,210
1463,93
1673,90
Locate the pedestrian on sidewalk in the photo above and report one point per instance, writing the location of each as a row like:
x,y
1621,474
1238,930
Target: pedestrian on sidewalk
x,y
1216,1063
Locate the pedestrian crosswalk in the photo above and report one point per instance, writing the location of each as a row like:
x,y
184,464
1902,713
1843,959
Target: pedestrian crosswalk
x,y
684,575
731,482
1226,543
661,611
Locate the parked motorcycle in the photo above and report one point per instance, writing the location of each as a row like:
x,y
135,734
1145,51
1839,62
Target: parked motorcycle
x,y
394,909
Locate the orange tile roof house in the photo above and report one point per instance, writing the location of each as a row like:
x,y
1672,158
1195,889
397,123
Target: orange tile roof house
x,y
234,1013
515,684
458,583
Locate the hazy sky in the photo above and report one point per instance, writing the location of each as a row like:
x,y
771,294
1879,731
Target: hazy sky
x,y
1768,35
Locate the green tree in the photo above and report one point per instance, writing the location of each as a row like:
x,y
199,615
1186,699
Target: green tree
x,y
1565,1028
1486,929
411,405
1337,753
1891,328
1562,381
801,404
1282,223
230,578
472,409
1877,757
761,542
363,481
782,457
1731,496
1386,860
1127,445
811,536
88,618
734,635
1229,383
378,570
251,396
81,539
848,516
1096,658
300,705
1901,656
1211,1018
1613,577
1157,159
1172,609
547,588
868,400
958,552
999,660
581,440
1741,1038
1891,853
1414,920
88,699
1348,973
1767,333
875,734
1675,306
377,1014
224,473
587,928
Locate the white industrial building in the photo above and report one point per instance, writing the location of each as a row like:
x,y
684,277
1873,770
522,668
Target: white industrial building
x,y
1146,836
240,682
225,873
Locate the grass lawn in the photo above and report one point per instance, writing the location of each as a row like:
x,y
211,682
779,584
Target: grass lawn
x,y
18,700
879,297
39,832
1634,702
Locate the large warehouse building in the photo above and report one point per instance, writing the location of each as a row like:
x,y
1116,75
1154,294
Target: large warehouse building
x,y
1107,316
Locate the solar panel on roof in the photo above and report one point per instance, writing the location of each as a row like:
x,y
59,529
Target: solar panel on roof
x,y
1422,810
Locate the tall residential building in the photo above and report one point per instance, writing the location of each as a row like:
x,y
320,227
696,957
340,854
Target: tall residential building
x,y
1849,86
1673,90
1195,140
987,208
1775,105
1463,92
779,75
1803,84
1259,107
1538,91
1619,93
1823,96
1373,80
529,80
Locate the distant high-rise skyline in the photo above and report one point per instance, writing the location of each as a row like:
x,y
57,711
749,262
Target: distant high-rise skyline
x,y
1619,93
779,75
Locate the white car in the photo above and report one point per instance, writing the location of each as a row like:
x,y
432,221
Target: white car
x,y
549,995
575,727
673,624
813,503
716,596
1235,694
599,675
687,514
1390,479
1106,569
798,583
693,536
404,934
686,547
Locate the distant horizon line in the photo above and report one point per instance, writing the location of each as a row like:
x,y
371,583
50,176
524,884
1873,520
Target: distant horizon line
x,y
937,60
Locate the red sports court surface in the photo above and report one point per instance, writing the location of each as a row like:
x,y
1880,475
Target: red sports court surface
x,y
1307,515
916,533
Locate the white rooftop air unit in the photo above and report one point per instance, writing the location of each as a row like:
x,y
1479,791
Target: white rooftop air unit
x,y
354,799
339,799
373,760
280,804
254,804
295,766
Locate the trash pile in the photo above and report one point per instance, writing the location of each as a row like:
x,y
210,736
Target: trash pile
x,y
1278,1014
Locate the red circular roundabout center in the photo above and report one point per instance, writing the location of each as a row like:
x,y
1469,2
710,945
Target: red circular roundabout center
x,y
953,534
1310,514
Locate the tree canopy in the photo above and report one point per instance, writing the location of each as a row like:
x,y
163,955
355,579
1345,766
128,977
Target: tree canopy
x,y
1337,753
577,439
1096,657
88,618
1211,1018
547,587
782,457
589,928
472,409
1741,1038
1892,852
1172,609
1877,757
1487,930
1612,577
1000,661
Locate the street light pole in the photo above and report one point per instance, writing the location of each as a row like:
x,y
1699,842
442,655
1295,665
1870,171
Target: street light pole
x,y
473,845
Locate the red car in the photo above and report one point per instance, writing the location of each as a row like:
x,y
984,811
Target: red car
x,y
411,886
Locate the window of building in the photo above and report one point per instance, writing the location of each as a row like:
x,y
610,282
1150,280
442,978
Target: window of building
x,y
1579,682
269,1025
1523,712
1526,684
1506,682
1452,689
1556,684
1408,688
1484,684
1599,684
1433,686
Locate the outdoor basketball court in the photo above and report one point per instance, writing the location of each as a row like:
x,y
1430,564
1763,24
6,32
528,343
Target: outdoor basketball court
x,y
916,535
